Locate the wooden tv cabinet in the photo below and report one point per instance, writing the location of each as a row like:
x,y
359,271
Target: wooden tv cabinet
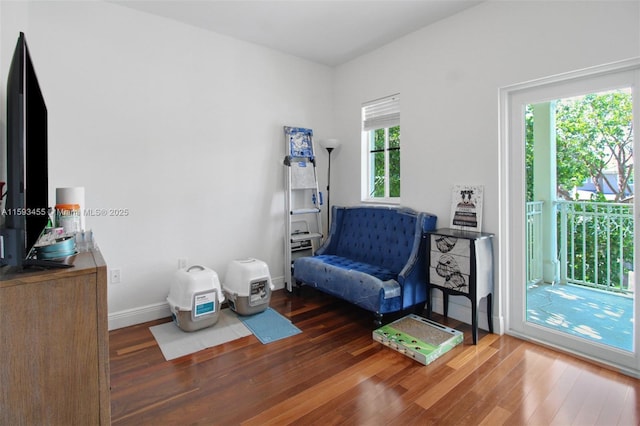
x,y
54,345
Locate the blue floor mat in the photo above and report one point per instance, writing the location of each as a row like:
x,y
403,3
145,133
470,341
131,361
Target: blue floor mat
x,y
599,316
269,326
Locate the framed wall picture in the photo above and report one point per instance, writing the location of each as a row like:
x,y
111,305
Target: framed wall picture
x,y
466,207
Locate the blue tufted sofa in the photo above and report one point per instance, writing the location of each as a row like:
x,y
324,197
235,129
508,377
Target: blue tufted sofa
x,y
374,258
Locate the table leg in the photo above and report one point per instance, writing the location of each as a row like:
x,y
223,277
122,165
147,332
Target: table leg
x,y
474,321
445,303
490,312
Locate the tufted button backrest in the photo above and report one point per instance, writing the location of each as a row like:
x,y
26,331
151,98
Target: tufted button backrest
x,y
378,236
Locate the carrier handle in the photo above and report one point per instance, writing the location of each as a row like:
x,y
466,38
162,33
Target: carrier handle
x,y
202,268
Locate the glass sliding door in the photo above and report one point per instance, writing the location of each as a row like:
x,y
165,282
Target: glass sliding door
x,y
569,209
579,207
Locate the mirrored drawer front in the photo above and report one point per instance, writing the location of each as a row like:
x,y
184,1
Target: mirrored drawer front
x,y
453,280
450,245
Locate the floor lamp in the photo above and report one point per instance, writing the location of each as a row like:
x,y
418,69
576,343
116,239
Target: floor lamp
x,y
329,145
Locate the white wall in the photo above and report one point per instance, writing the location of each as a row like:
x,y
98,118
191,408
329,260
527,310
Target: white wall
x,y
180,126
449,75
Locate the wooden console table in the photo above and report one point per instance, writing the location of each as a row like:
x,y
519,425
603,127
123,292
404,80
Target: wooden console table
x,y
461,264
54,345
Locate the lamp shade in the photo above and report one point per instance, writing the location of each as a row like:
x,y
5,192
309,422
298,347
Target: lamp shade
x,y
330,143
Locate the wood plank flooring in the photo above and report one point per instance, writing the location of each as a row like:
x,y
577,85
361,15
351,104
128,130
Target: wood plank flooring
x,y
334,373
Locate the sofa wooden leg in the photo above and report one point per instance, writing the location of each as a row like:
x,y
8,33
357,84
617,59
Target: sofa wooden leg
x,y
418,309
377,319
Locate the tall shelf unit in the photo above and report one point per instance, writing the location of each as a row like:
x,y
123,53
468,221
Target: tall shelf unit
x,y
303,222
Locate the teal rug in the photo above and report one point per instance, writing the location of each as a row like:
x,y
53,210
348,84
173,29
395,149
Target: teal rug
x,y
592,314
269,326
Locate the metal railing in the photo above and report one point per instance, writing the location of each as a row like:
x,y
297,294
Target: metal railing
x,y
534,242
595,244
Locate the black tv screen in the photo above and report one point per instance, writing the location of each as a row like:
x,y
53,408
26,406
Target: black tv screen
x,y
27,203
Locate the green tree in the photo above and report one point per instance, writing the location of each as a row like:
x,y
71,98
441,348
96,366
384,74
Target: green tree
x,y
529,157
594,134
379,151
394,161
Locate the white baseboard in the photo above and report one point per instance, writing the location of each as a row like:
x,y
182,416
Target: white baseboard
x,y
463,312
278,283
155,311
139,315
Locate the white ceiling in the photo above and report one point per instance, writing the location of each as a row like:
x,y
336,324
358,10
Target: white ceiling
x,y
329,32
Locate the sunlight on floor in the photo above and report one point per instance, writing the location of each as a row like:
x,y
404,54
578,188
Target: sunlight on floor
x,y
588,331
598,316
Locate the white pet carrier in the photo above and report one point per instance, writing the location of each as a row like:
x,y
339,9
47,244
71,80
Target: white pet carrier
x,y
195,298
248,286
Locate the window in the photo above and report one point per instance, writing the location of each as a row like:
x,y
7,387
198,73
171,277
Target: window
x,y
381,149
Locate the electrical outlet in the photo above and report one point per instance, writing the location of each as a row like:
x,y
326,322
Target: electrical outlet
x,y
182,262
114,275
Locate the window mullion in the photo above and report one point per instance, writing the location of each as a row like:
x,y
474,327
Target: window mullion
x,y
372,163
387,176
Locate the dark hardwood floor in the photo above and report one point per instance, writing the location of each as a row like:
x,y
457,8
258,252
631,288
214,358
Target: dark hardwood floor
x,y
334,373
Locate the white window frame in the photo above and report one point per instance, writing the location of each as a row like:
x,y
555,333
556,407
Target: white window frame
x,y
383,113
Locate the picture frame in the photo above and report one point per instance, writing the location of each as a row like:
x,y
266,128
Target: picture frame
x,y
466,207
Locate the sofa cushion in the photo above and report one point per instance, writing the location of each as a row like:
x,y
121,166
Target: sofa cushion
x,y
379,272
371,287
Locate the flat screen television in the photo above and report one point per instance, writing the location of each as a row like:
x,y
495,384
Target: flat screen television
x,y
26,210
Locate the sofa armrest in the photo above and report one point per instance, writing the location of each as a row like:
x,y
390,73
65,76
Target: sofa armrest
x,y
331,242
413,276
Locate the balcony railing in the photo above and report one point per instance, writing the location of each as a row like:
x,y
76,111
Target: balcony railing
x,y
595,244
534,242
